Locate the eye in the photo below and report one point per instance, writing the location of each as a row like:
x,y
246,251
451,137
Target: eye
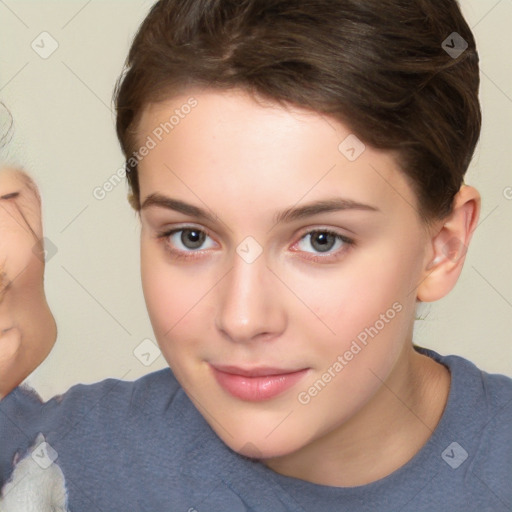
x,y
186,239
323,241
185,242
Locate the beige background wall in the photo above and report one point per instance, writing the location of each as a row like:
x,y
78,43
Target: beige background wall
x,y
64,135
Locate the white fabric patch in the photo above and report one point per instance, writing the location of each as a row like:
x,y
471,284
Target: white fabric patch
x,y
37,483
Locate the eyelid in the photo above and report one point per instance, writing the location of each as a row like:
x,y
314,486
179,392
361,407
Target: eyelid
x,y
185,227
324,229
302,232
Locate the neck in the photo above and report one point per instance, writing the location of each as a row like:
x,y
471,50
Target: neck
x,y
384,435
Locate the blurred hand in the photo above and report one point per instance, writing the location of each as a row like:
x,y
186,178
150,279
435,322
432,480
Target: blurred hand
x,y
27,327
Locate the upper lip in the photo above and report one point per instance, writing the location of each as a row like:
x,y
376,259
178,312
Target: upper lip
x,y
256,371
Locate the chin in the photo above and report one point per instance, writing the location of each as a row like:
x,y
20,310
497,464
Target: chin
x,y
259,445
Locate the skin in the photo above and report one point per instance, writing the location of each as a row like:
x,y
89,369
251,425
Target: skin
x,y
243,161
27,327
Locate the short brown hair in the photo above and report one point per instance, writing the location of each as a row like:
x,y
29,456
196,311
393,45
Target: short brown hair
x,y
378,66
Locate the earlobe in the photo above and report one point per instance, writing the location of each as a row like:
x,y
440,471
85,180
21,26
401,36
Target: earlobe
x,y
449,246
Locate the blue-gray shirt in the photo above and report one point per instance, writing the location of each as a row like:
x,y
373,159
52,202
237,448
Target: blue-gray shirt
x,y
143,446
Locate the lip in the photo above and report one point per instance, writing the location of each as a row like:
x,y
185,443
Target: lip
x,y
256,384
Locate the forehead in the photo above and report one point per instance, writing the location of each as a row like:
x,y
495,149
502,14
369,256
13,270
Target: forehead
x,y
231,145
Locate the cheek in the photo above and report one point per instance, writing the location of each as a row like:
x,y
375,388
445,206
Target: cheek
x,y
344,301
364,311
161,293
173,298
26,293
15,250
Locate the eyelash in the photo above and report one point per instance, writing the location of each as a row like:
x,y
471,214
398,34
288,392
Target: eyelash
x,y
190,255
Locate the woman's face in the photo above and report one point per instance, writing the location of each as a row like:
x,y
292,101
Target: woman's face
x,y
27,327
278,331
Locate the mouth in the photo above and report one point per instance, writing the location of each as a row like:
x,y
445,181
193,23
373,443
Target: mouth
x,y
256,384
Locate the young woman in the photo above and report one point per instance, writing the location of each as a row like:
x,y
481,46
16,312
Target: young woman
x,y
298,171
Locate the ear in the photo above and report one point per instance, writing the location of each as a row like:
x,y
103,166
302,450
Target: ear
x,y
448,246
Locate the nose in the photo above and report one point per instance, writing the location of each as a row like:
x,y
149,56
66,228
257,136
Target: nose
x,y
250,305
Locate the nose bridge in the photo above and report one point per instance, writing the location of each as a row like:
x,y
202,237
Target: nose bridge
x,y
248,305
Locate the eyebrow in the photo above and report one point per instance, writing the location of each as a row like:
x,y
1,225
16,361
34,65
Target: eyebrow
x,y
288,215
12,195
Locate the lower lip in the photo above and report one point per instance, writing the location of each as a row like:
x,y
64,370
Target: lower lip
x,y
257,389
